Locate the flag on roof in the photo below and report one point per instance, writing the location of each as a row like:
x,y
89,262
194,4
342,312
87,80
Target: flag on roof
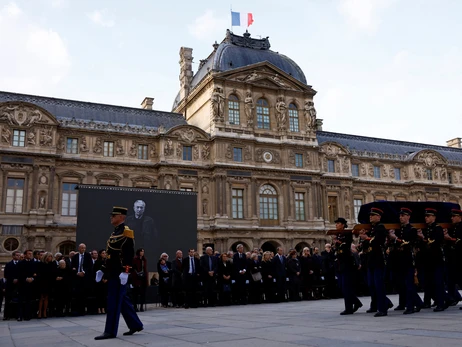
x,y
239,19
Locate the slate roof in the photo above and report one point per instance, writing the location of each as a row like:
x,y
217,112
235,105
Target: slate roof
x,y
66,110
368,146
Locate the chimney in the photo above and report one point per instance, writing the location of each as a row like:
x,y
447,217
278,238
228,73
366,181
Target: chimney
x,y
147,103
319,124
186,73
455,143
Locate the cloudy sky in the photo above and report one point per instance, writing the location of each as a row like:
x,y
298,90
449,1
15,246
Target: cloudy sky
x,y
382,68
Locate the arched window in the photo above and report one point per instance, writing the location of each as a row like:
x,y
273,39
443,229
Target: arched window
x,y
66,247
268,202
233,110
293,118
263,119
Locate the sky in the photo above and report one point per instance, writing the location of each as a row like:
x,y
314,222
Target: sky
x,y
382,68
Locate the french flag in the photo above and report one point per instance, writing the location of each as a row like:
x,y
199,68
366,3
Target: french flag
x,y
241,19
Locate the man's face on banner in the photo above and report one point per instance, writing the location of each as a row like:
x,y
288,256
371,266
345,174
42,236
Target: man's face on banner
x,y
139,209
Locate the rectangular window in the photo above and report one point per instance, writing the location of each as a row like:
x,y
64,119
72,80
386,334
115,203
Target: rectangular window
x,y
450,177
397,173
72,146
263,119
187,153
300,206
331,166
429,174
19,138
14,195
298,160
355,170
143,152
332,208
357,203
69,200
293,119
12,230
233,110
108,149
377,171
238,203
237,154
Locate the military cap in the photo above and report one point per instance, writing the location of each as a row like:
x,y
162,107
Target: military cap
x,y
430,211
456,212
376,211
119,210
341,220
405,210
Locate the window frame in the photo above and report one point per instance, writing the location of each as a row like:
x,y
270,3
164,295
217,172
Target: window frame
x,y
237,154
294,123
377,171
357,207
268,204
66,198
263,114
108,149
299,160
234,114
397,172
143,152
19,138
73,146
187,153
300,213
237,203
16,207
331,165
355,170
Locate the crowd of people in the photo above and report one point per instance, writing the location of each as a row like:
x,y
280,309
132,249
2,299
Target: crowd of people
x,y
39,284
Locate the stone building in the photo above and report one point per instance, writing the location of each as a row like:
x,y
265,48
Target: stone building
x,y
243,134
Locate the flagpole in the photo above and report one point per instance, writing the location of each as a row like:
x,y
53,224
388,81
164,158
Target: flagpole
x,y
231,15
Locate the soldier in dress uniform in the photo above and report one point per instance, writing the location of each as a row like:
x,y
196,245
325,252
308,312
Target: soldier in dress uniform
x,y
373,245
120,252
432,236
402,242
453,252
346,267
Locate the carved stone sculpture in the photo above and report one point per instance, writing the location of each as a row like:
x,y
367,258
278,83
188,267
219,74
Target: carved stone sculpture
x,y
229,152
179,149
253,76
187,135
119,148
42,202
195,152
205,152
132,152
46,135
21,115
218,105
417,171
346,165
248,109
6,135
60,145
247,153
168,149
98,147
83,145
205,206
31,138
153,151
281,113
278,80
310,116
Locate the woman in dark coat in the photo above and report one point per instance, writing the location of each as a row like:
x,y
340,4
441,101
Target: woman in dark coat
x,y
306,265
267,272
165,280
294,274
45,280
224,271
62,287
101,286
139,277
254,266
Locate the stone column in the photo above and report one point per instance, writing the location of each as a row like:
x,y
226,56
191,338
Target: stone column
x,y
225,188
51,188
219,197
27,198
254,197
35,183
4,188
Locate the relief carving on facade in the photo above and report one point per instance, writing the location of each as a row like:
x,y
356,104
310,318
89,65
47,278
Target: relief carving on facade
x,y
205,186
247,153
291,157
346,165
43,179
391,172
168,148
179,149
205,151
404,173
264,155
281,113
187,135
248,109
229,152
308,159
444,174
430,159
133,150
278,81
153,150
168,182
371,170
119,148
195,152
20,115
98,147
310,116
61,144
363,171
218,105
6,135
83,145
205,207
385,170
31,138
46,137
251,77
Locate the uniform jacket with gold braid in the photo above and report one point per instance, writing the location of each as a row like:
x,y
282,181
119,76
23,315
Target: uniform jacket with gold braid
x,y
434,237
120,251
374,247
345,259
453,247
401,250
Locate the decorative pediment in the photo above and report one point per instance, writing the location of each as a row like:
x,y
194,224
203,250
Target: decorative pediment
x,y
143,178
188,133
107,178
333,149
70,174
24,114
429,158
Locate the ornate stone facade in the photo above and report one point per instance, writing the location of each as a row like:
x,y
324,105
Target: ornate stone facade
x,y
264,173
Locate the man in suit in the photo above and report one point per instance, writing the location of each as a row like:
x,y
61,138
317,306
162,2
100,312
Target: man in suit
x,y
12,285
81,266
191,278
120,253
27,278
209,268
240,274
146,235
280,265
177,280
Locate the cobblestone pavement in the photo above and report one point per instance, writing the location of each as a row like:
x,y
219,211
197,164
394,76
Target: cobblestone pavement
x,y
313,323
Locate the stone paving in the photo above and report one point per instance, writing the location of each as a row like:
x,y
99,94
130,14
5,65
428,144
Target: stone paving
x,y
314,323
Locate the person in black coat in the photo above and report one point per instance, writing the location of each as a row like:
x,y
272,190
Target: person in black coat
x,y
294,273
62,287
240,275
267,272
191,278
101,286
254,266
11,286
224,275
328,270
27,288
306,265
46,269
81,265
177,280
280,266
209,268
164,269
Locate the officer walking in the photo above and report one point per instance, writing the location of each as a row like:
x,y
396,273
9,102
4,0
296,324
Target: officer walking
x,y
120,252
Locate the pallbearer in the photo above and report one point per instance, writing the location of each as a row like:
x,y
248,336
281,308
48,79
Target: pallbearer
x,y
404,241
120,252
373,244
453,249
432,236
346,267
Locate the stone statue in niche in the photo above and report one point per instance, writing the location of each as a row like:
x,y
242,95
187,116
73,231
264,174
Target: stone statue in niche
x,y
205,187
281,113
46,137
98,147
119,148
248,108
42,201
417,171
310,116
168,150
153,151
206,152
218,105
83,145
60,144
205,207
31,138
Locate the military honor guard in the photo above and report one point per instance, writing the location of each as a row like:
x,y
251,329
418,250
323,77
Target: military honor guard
x,y
402,242
346,266
120,252
453,252
432,237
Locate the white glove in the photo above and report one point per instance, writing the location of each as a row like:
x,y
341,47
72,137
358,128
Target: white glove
x,y
123,278
99,275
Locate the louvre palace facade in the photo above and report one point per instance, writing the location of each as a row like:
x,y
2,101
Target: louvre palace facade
x,y
243,134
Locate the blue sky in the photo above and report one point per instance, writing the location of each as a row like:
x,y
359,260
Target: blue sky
x,y
382,68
